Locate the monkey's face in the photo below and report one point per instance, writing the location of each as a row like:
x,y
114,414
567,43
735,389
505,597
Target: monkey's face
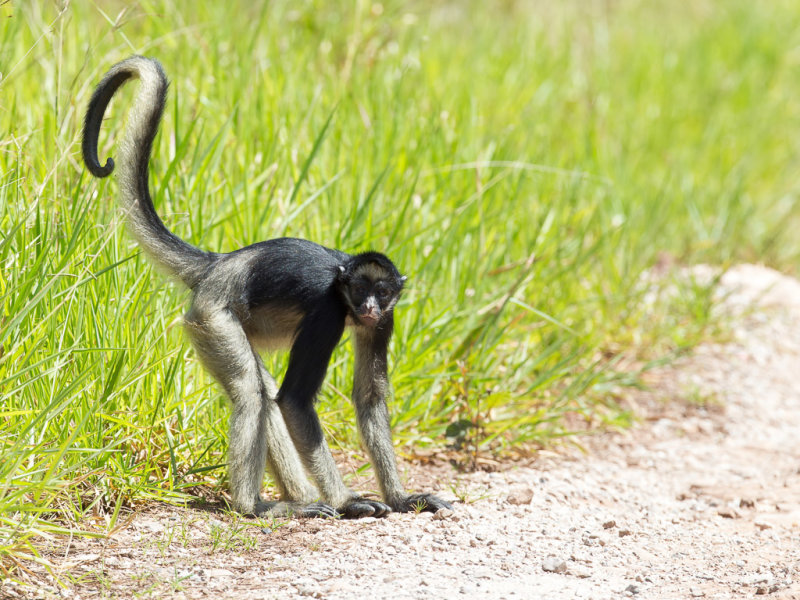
x,y
371,286
371,300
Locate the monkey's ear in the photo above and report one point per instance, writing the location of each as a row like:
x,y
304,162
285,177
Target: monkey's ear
x,y
341,269
403,279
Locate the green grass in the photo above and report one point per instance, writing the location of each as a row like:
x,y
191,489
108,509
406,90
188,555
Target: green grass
x,y
522,162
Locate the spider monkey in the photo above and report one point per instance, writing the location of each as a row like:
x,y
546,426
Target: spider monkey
x,y
273,294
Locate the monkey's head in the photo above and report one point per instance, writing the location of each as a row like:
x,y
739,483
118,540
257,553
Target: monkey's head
x,y
370,285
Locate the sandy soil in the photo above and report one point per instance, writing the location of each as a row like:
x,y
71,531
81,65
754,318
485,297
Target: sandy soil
x,y
701,500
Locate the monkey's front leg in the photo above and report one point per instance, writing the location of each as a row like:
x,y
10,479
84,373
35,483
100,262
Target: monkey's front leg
x,y
369,396
308,361
306,432
373,420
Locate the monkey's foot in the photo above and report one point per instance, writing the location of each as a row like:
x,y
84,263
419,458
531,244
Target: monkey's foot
x,y
420,503
296,509
359,507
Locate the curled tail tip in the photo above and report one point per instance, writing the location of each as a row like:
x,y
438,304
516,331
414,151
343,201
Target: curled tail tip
x,y
98,170
136,66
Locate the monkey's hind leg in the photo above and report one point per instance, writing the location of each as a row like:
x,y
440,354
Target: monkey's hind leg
x,y
225,351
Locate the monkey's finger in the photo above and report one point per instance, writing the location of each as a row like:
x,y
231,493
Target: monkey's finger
x,y
366,508
358,510
381,509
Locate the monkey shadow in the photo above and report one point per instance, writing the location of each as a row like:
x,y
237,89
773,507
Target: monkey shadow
x,y
218,505
204,500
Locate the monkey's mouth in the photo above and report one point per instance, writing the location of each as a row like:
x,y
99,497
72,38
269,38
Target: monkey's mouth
x,y
370,319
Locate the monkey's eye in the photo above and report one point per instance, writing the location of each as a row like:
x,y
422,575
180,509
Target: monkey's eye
x,y
383,293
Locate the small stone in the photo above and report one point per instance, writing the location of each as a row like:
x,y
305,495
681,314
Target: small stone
x,y
632,588
624,532
554,565
609,524
726,512
747,503
520,496
762,525
755,578
579,573
696,593
442,514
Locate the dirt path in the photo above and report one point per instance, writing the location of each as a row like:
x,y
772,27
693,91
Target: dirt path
x,y
703,500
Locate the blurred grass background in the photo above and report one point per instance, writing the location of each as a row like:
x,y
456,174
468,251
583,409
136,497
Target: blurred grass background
x,y
523,162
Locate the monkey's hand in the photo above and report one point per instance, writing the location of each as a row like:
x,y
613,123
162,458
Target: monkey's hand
x,y
358,507
420,503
